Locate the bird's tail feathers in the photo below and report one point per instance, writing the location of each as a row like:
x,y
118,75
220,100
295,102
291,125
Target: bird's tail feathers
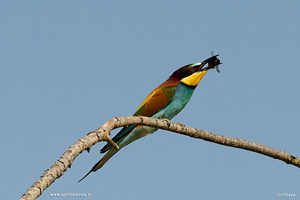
x,y
101,162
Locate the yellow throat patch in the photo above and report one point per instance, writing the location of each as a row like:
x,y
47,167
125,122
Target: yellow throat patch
x,y
194,79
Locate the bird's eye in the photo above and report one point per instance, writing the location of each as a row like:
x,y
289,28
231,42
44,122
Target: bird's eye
x,y
192,69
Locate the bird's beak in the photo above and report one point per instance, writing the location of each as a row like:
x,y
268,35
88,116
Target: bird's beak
x,y
213,62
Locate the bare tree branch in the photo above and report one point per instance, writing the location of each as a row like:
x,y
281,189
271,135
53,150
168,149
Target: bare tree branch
x,y
102,134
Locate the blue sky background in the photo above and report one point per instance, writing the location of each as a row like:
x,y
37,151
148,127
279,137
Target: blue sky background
x,y
67,67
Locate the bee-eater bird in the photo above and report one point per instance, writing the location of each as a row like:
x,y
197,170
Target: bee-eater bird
x,y
166,101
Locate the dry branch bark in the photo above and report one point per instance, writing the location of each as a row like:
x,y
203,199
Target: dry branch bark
x,y
102,134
